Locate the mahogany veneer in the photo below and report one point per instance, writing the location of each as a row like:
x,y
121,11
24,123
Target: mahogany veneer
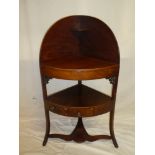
x,y
79,68
79,48
79,101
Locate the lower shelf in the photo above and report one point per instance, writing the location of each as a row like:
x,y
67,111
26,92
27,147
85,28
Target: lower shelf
x,y
79,101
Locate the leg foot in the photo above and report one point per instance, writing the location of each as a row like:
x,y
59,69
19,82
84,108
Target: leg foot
x,y
45,140
111,125
47,128
114,141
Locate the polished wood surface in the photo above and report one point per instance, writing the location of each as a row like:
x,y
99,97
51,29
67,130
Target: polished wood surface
x,y
79,35
79,48
79,68
79,101
80,134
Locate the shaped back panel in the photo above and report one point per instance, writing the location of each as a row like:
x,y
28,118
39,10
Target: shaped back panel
x,y
79,36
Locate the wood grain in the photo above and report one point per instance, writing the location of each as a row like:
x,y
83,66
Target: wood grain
x,y
79,48
79,101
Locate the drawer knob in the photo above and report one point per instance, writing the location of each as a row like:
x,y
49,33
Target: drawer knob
x,y
79,115
65,109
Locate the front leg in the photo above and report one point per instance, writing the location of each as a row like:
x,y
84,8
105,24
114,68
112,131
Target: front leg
x,y
44,81
113,81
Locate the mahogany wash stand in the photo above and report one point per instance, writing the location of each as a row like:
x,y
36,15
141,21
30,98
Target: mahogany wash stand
x,y
79,48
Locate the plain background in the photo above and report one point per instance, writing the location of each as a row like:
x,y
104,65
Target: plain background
x,y
36,16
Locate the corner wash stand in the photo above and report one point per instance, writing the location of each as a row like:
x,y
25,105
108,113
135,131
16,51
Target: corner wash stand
x,y
79,48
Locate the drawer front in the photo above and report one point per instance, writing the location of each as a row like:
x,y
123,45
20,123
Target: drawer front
x,y
81,111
